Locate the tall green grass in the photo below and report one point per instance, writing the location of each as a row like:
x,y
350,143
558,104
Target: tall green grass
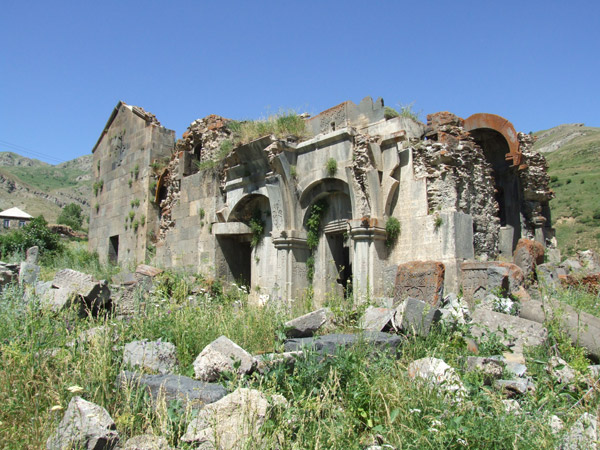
x,y
354,399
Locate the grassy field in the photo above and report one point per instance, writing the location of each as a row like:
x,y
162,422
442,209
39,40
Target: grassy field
x,y
345,402
574,171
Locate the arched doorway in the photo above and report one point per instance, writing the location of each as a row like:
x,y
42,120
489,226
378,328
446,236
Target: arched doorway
x,y
498,140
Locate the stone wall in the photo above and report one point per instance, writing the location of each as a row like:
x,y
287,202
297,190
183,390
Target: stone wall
x,y
240,213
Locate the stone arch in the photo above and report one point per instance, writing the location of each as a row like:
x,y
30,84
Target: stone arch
x,y
485,121
498,139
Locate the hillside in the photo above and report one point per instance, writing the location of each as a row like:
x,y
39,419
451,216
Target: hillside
x,y
40,188
573,155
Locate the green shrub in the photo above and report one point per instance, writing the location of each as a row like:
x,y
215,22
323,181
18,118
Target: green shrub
x,y
71,216
331,167
313,224
257,225
392,231
34,233
390,113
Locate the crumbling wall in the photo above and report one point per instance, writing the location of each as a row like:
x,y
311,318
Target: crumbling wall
x,y
536,191
459,178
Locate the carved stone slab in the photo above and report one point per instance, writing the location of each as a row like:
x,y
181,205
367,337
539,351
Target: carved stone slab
x,y
423,280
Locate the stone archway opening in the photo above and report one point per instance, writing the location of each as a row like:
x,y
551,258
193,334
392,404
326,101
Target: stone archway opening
x,y
333,254
245,254
507,186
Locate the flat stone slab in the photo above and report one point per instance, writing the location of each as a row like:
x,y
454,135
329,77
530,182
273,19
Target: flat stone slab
x,y
376,319
149,271
175,387
423,280
328,344
520,331
154,356
416,316
308,324
481,278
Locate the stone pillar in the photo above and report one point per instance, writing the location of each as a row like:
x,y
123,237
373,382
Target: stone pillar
x,y
292,253
368,236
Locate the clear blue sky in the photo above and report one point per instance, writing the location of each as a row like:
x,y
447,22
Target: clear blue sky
x,y
65,65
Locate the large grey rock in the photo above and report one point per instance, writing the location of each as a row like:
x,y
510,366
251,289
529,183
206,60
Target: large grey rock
x,y
519,386
264,362
220,356
330,343
582,328
28,273
231,423
558,369
582,435
589,260
93,295
190,392
416,317
85,425
571,266
153,356
32,254
546,275
308,324
515,331
57,299
437,372
455,310
146,442
376,319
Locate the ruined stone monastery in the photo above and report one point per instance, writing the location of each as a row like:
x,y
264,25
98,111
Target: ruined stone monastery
x,y
460,189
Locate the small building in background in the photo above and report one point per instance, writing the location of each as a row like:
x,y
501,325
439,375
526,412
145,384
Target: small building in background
x,y
13,218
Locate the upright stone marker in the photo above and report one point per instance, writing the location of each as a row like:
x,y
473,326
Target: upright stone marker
x,y
423,280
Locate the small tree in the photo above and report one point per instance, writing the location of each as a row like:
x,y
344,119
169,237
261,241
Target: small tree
x,y
71,216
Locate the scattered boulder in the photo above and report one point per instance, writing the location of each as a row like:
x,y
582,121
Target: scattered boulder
x,y
153,356
308,324
437,372
146,442
220,356
479,279
516,332
582,328
32,254
490,368
376,319
556,425
589,260
263,362
455,310
231,422
190,392
93,295
519,386
416,317
582,435
560,370
85,425
527,255
330,343
423,280
512,406
499,304
57,299
28,273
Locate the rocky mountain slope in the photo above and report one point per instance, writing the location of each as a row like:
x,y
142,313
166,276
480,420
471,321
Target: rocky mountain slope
x,y
573,155
41,188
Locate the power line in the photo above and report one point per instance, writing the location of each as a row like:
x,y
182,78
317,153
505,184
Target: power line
x,y
34,153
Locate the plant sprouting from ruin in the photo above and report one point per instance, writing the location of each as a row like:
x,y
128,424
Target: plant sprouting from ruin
x,y
257,225
331,167
313,225
390,113
392,231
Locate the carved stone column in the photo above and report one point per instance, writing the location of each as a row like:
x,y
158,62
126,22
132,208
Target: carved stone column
x,y
292,253
368,236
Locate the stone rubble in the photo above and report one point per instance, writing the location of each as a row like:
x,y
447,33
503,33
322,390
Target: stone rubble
x,y
437,372
84,425
308,324
153,356
222,355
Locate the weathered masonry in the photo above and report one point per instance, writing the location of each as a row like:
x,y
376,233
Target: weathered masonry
x,y
285,214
